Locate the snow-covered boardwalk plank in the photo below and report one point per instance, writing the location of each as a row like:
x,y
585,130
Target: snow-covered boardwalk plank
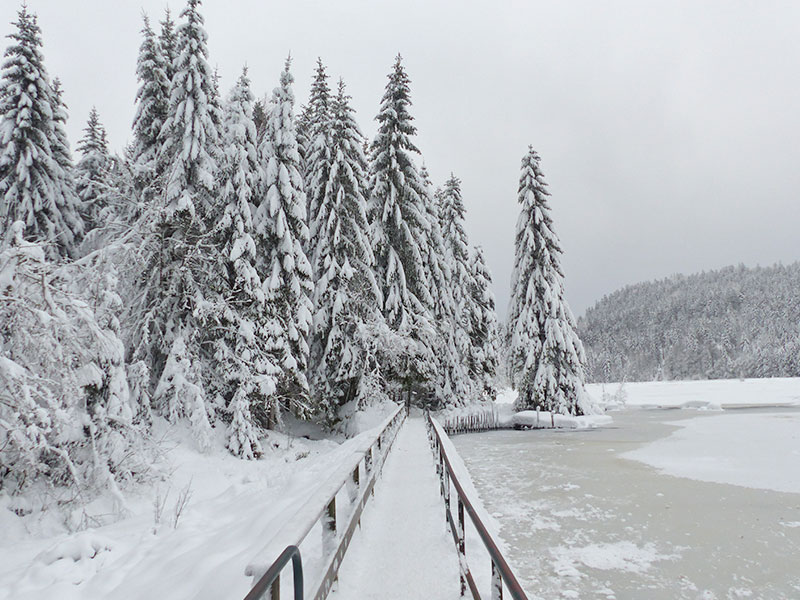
x,y
403,549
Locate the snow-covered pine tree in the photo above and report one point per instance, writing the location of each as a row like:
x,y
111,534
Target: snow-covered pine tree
x,y
281,218
92,181
318,155
452,379
65,176
168,42
180,252
400,227
260,118
216,112
152,103
248,373
546,355
191,133
302,128
65,413
451,218
482,321
346,293
31,179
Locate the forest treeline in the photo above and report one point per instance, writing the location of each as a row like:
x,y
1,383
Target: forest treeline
x,y
241,260
727,323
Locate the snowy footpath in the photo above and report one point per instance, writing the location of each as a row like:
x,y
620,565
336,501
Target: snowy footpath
x,y
403,549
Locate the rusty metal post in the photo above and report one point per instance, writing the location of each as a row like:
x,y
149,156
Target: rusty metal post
x,y
329,528
497,583
446,483
275,589
461,532
461,545
439,461
330,521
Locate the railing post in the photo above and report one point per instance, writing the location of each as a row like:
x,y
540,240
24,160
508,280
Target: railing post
x,y
275,589
446,484
329,527
497,583
461,544
331,511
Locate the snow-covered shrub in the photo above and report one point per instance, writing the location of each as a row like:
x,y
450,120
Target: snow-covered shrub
x,y
66,416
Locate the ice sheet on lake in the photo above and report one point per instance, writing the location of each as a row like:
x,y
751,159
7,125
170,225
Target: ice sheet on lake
x,y
750,450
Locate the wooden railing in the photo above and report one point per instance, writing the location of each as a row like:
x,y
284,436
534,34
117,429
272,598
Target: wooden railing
x,y
501,575
483,421
358,473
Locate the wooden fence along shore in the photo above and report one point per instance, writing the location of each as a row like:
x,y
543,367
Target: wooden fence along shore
x,y
485,421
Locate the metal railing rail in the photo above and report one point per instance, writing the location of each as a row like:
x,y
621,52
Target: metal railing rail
x,y
501,574
271,580
359,470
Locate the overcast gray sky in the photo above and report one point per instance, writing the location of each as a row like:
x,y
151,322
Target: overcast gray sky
x,y
668,130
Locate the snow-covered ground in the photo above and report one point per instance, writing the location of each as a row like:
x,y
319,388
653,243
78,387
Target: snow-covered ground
x,y
232,508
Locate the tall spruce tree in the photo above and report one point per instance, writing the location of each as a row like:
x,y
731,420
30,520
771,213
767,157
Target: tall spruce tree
x,y
452,380
33,183
152,103
318,154
346,293
546,357
288,282
451,218
65,176
191,126
181,252
248,374
482,326
60,147
92,178
400,228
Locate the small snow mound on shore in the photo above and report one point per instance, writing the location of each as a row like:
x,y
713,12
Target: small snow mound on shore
x,y
545,420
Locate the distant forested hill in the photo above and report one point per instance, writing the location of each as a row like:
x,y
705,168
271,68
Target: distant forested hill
x,y
735,322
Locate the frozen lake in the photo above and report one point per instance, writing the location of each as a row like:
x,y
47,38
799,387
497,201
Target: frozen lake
x,y
580,521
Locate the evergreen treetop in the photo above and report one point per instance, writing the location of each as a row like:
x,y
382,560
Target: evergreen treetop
x,y
152,103
191,133
92,172
31,178
318,158
168,41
